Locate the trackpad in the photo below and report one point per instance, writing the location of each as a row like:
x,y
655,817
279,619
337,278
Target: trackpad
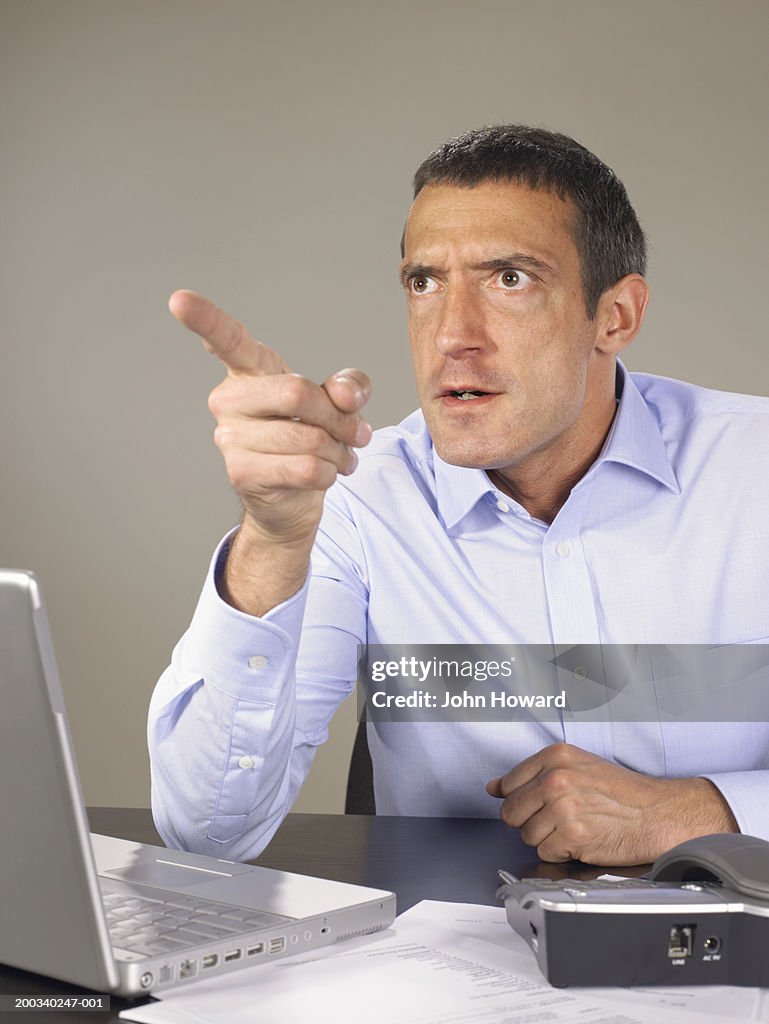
x,y
173,876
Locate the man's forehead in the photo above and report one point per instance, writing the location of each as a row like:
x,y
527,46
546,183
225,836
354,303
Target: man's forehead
x,y
503,215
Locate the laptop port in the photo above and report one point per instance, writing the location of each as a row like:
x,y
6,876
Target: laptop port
x,y
233,954
210,960
187,968
255,950
278,945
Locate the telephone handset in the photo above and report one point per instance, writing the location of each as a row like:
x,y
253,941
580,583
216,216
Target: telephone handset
x,y
737,862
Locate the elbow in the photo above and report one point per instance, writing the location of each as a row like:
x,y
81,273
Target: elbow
x,y
235,837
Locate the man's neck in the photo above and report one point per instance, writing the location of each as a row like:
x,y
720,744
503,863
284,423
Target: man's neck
x,y
543,482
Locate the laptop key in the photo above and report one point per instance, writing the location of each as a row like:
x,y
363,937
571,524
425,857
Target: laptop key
x,y
234,914
159,928
181,903
144,916
121,911
138,939
211,931
216,922
190,938
153,948
173,920
123,897
170,943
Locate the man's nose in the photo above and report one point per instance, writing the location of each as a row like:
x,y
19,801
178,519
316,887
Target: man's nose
x,y
460,327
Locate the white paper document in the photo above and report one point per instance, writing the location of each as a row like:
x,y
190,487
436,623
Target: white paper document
x,y
441,963
722,1002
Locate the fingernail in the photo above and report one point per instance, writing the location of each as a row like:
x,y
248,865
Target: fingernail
x,y
352,465
352,383
363,433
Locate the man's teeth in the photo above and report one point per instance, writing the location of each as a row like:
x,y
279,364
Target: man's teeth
x,y
467,395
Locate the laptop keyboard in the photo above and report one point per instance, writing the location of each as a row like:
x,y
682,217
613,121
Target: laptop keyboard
x,y
162,924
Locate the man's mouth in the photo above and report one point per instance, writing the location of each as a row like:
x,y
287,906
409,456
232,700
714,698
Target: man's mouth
x,y
463,394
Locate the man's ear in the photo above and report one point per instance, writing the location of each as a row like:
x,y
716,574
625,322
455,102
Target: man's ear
x,y
620,313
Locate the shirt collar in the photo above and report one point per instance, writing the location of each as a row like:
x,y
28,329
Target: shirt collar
x,y
458,490
634,440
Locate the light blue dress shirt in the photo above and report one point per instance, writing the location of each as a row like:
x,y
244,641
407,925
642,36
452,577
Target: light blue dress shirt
x,y
665,540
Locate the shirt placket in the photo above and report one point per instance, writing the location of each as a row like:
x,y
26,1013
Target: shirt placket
x,y
572,607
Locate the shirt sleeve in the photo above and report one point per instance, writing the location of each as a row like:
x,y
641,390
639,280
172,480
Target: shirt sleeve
x,y
235,720
746,794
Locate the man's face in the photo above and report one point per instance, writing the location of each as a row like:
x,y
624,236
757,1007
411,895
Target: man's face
x,y
495,301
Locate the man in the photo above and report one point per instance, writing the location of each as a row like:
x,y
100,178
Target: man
x,y
542,495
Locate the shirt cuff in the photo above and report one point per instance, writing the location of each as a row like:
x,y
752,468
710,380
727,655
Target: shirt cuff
x,y
246,657
745,792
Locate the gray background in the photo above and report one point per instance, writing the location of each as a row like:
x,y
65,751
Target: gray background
x,y
261,152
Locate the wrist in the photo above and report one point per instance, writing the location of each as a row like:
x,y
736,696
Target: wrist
x,y
262,572
695,807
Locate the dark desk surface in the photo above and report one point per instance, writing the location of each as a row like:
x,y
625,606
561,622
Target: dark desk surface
x,y
417,858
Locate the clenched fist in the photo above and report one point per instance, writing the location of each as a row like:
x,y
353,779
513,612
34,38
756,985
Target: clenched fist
x,y
573,805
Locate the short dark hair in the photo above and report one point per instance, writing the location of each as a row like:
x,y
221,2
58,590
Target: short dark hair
x,y
610,240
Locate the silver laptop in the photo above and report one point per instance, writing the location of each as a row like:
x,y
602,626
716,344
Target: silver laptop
x,y
117,916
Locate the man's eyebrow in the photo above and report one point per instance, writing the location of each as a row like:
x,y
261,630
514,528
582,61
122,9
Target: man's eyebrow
x,y
513,260
409,270
516,260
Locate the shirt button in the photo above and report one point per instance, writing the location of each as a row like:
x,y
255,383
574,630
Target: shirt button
x,y
580,672
503,506
246,762
563,550
258,661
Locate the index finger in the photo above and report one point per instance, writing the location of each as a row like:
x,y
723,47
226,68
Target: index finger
x,y
224,336
518,776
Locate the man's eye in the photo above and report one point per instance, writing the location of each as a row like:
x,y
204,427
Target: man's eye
x,y
511,279
421,284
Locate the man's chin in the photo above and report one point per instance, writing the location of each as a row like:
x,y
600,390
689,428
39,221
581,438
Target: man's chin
x,y
472,456
465,462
